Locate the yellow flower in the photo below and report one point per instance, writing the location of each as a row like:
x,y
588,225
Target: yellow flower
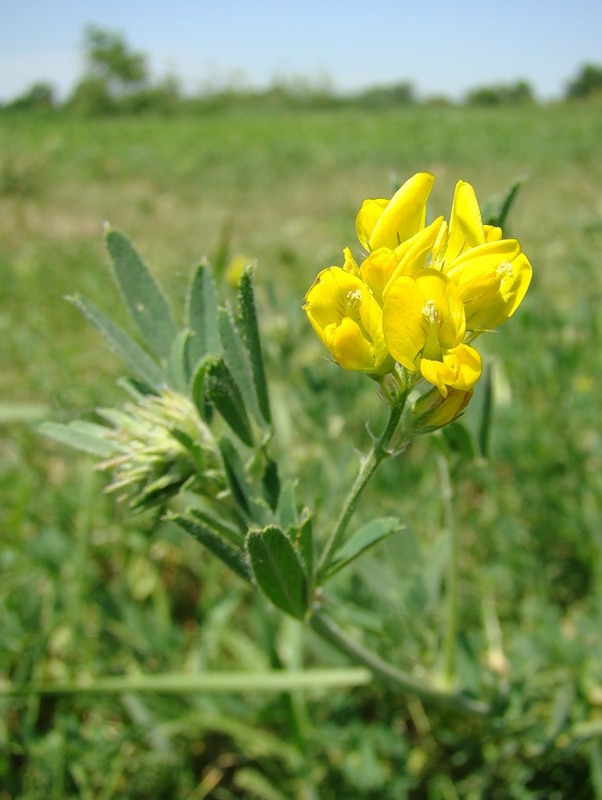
x,y
424,326
388,223
422,317
492,273
348,320
459,368
421,293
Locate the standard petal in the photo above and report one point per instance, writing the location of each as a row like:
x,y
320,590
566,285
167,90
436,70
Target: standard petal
x,y
405,213
465,223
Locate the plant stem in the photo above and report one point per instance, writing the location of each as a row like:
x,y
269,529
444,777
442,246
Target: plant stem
x,y
451,631
392,675
380,450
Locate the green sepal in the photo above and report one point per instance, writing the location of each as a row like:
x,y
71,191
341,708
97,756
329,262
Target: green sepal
x,y
178,365
85,436
237,360
213,541
250,332
221,389
143,298
135,358
201,315
362,540
278,570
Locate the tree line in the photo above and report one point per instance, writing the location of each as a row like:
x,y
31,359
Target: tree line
x,y
117,79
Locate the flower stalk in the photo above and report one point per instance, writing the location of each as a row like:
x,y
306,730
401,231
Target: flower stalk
x,y
381,449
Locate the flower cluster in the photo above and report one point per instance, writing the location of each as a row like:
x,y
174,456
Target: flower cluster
x,y
421,294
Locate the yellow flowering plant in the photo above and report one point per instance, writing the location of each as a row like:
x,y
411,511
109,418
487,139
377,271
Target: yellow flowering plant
x,y
420,295
195,442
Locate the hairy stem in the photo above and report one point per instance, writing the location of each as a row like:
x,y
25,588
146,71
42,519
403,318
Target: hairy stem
x,y
381,448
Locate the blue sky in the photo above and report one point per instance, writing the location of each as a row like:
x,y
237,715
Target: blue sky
x,y
440,46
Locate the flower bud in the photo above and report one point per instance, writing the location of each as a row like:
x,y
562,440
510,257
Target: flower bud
x,y
160,443
432,411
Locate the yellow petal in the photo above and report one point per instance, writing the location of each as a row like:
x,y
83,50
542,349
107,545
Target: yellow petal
x,y
404,214
442,296
377,268
350,264
415,253
404,325
347,319
366,219
348,346
492,280
465,223
459,368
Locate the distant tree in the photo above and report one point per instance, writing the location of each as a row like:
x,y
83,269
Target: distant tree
x,y
519,93
587,83
39,97
398,94
113,73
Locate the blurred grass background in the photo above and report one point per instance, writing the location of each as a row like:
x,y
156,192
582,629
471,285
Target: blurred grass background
x,y
87,590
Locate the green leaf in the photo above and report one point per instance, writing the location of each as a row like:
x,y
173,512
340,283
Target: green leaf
x,y
222,390
135,358
459,440
278,570
197,390
237,360
495,212
143,298
22,412
287,513
271,483
250,331
484,433
221,526
241,490
214,542
362,540
201,315
86,436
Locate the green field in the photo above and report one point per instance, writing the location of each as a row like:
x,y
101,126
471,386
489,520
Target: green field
x,y
89,591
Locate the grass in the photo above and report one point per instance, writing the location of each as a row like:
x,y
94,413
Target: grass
x,y
86,591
